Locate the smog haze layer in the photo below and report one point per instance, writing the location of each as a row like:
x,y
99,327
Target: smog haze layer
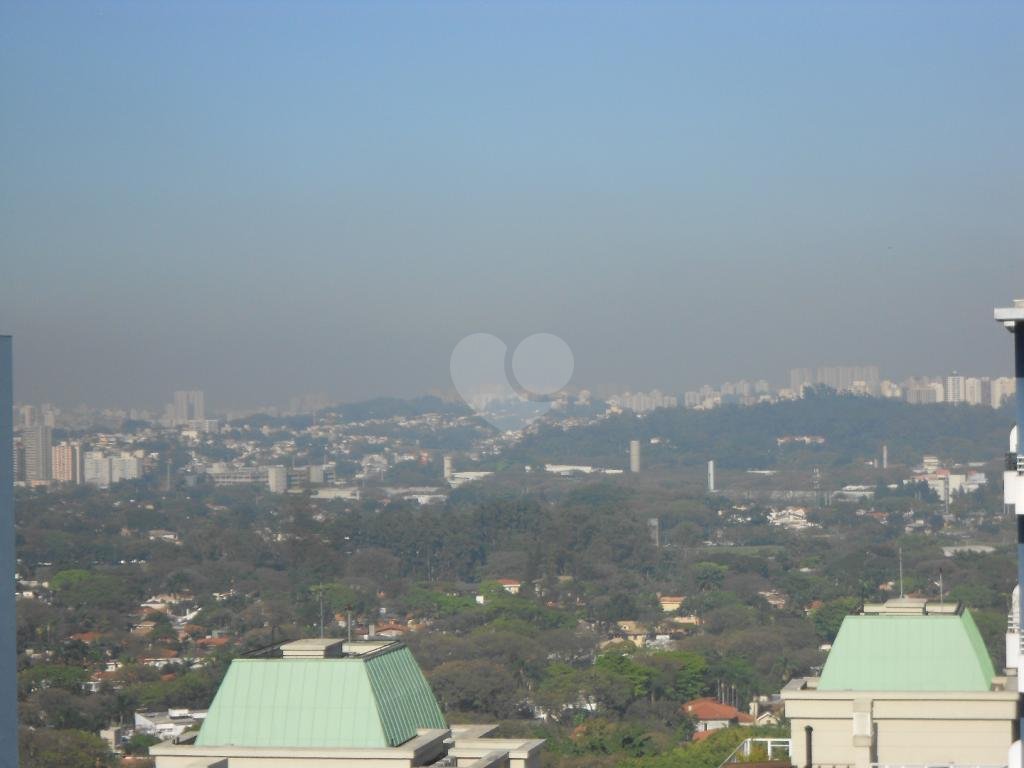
x,y
263,200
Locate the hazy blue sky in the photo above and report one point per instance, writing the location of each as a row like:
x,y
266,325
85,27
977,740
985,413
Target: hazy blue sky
x,y
264,199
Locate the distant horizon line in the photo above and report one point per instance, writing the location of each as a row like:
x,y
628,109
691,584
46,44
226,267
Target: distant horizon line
x,y
602,393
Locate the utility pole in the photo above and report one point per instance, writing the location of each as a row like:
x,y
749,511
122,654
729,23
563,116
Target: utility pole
x,y
901,572
320,600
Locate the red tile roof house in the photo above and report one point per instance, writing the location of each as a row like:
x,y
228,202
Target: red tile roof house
x,y
391,629
712,715
511,586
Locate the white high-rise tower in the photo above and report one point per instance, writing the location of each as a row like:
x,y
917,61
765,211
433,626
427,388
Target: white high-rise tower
x,y
1012,318
634,455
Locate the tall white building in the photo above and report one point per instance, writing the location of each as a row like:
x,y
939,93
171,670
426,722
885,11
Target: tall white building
x,y
954,389
97,469
634,455
641,402
973,394
277,479
125,467
38,444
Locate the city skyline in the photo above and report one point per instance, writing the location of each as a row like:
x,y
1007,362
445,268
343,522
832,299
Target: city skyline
x,y
187,407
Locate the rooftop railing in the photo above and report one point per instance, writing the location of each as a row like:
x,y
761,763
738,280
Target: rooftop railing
x,y
771,749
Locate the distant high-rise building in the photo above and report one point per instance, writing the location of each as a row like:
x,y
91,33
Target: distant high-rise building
x,y
634,455
27,416
986,390
846,378
799,377
448,467
125,467
48,415
96,469
641,402
189,404
711,476
890,389
973,391
38,442
19,460
923,393
68,463
954,389
277,479
1002,388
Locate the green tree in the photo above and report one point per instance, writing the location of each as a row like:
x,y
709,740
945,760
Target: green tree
x,y
47,748
676,675
828,617
51,676
709,575
139,744
475,686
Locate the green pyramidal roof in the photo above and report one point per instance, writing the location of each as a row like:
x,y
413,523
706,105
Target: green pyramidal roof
x,y
908,653
374,702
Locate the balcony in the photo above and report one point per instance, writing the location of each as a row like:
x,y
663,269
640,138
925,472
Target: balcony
x,y
775,753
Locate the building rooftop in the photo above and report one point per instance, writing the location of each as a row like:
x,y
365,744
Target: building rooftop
x,y
323,694
908,645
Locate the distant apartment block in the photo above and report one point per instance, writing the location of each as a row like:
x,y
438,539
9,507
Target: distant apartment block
x,y
1002,388
642,402
103,471
841,378
68,463
96,469
954,389
37,442
277,478
189,405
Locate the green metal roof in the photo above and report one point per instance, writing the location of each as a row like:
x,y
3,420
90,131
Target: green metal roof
x,y
373,702
908,653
